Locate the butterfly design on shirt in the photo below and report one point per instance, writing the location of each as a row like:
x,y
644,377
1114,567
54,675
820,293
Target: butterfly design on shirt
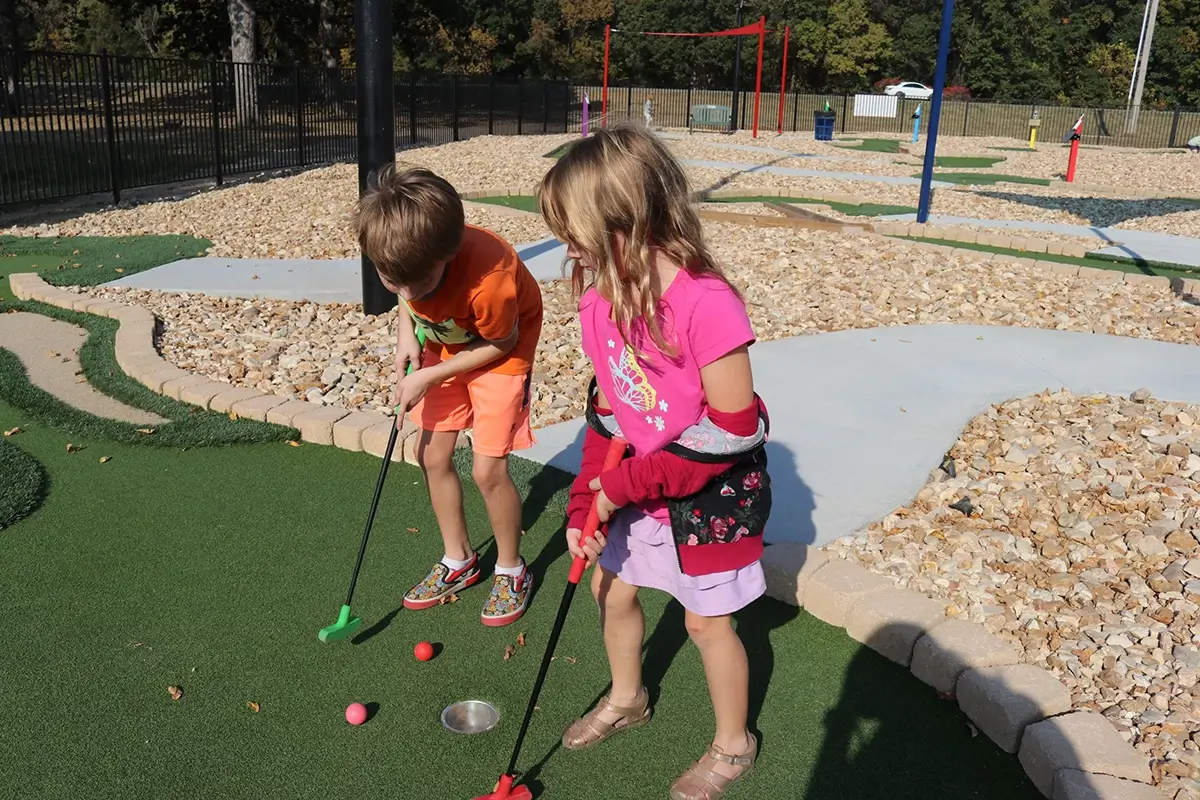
x,y
447,332
632,386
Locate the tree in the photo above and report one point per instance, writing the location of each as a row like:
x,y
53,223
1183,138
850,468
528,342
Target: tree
x,y
847,48
243,54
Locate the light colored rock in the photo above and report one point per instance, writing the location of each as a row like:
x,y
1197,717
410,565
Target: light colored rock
x,y
317,425
257,407
225,401
787,567
201,394
1003,701
836,587
1081,740
287,413
890,622
945,652
348,431
1072,784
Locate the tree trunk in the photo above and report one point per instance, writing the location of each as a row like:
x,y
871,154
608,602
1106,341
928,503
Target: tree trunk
x,y
8,68
243,55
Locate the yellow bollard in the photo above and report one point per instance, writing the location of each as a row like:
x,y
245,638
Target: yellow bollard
x,y
1033,138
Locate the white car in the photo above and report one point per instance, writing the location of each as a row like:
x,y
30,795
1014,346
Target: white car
x,y
917,91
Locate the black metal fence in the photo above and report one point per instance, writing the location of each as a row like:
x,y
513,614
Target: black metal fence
x,y
76,124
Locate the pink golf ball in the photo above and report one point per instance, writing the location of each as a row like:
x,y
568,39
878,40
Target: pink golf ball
x,y
356,713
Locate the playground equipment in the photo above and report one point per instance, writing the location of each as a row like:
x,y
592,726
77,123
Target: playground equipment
x,y
1034,122
1075,136
586,108
758,28
916,118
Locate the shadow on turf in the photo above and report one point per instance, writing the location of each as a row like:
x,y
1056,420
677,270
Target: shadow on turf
x,y
1101,212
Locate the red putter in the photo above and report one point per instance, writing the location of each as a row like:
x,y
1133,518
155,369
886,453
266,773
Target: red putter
x,y
504,789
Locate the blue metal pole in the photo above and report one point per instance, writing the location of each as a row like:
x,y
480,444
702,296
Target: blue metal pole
x,y
935,110
917,124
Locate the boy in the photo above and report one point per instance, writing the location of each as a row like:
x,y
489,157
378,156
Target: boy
x,y
481,311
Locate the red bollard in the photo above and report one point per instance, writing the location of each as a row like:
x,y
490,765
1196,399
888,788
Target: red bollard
x,y
1076,136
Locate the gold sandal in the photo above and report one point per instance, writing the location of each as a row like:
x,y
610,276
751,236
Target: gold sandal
x,y
589,730
700,782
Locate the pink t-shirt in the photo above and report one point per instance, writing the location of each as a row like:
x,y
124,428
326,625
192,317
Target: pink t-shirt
x,y
657,397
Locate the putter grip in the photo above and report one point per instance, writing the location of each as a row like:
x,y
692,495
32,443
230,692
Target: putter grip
x,y
612,459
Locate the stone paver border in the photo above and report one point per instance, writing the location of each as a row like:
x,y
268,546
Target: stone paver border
x,y
1021,707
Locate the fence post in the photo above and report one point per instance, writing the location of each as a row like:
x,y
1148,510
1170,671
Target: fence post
x,y
412,109
688,110
545,106
567,103
966,114
520,102
454,106
845,106
110,128
795,111
629,101
299,119
1174,127
492,103
216,120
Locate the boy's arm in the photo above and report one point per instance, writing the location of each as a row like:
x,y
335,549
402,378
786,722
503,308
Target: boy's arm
x,y
494,305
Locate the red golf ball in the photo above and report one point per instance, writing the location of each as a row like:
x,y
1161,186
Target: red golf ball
x,y
356,713
423,651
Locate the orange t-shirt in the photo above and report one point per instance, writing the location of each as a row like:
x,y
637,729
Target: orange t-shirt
x,y
485,292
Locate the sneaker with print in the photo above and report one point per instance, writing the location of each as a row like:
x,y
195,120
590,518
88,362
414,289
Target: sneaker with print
x,y
509,598
441,582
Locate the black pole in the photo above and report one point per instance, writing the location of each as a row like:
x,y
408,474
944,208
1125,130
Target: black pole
x,y
376,120
110,128
737,72
300,159
216,120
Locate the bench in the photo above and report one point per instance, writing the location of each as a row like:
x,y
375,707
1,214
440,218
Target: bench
x,y
709,117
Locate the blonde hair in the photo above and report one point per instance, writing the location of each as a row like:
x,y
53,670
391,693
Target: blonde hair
x,y
624,181
408,222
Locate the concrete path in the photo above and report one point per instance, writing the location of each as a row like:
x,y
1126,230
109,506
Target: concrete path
x,y
754,148
860,418
1146,245
811,173
320,281
49,349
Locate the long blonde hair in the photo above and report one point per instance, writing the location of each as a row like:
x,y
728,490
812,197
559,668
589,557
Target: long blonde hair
x,y
624,181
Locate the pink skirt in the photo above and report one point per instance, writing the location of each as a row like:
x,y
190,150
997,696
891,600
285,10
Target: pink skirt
x,y
641,552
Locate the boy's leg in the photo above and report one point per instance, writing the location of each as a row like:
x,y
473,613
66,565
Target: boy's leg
x,y
500,408
441,414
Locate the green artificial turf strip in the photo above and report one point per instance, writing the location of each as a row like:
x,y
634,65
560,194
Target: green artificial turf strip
x,y
1098,261
966,162
214,569
98,258
190,426
560,151
854,209
1014,149
874,146
23,485
522,202
984,179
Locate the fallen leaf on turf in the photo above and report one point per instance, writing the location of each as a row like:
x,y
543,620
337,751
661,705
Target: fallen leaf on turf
x,y
521,638
414,530
253,706
233,415
508,651
12,432
105,459
176,692
146,431
118,269
572,660
73,448
974,730
453,598
81,380
52,354
293,443
135,644
253,277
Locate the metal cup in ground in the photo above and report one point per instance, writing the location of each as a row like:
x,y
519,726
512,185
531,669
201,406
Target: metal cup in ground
x,y
470,716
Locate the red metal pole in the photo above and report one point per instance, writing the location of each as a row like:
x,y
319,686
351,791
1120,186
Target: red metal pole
x,y
762,35
787,34
604,91
1071,160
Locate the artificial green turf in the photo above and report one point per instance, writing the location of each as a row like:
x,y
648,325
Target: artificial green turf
x,y
214,569
1098,261
853,209
966,162
189,425
874,146
92,260
23,485
560,151
522,202
1014,149
984,178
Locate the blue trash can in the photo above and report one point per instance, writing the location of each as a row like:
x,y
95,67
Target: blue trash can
x,y
823,124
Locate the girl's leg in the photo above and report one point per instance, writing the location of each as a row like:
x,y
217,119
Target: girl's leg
x,y
728,674
624,626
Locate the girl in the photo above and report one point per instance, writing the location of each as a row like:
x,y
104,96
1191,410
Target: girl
x,y
667,336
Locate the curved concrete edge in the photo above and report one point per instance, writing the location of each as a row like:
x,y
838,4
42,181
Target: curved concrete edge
x,y
359,431
1023,708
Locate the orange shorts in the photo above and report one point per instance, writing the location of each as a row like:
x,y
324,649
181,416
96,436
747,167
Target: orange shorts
x,y
495,407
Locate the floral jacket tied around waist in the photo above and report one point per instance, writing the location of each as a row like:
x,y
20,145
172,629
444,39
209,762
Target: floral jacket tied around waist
x,y
721,526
